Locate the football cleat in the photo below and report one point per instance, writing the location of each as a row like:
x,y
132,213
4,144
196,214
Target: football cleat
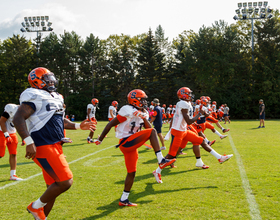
x,y
37,213
90,141
157,176
223,136
165,162
225,158
173,165
126,203
212,142
163,148
14,177
225,130
182,153
203,166
66,140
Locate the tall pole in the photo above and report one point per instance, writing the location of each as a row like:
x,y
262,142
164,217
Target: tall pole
x,y
252,23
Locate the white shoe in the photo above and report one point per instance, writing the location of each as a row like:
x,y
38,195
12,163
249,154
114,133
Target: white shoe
x,y
225,158
157,176
66,140
163,148
14,177
223,136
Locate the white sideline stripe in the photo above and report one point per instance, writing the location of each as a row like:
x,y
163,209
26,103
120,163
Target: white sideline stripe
x,y
38,174
253,206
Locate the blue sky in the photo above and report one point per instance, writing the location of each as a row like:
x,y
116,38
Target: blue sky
x,y
105,17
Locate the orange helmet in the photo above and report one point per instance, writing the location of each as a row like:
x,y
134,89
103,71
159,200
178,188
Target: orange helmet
x,y
204,101
163,105
41,78
170,106
137,98
202,97
174,106
208,98
185,93
94,101
198,101
115,103
214,102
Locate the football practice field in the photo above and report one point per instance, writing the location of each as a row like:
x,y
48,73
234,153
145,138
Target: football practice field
x,y
245,187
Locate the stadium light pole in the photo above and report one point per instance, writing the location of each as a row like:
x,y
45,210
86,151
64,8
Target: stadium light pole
x,y
36,24
252,11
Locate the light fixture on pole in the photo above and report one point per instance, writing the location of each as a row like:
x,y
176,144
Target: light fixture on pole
x,y
33,24
263,11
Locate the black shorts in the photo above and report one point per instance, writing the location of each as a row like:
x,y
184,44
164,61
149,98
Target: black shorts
x,y
158,129
262,116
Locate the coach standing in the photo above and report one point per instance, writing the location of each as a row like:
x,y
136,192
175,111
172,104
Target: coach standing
x,y
156,119
262,113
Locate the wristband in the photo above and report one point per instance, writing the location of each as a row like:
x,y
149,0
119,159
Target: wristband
x,y
77,126
28,140
6,134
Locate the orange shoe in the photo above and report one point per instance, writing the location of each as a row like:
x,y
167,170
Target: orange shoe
x,y
14,177
38,214
126,203
166,162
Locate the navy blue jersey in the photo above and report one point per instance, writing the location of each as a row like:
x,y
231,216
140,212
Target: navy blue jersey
x,y
158,115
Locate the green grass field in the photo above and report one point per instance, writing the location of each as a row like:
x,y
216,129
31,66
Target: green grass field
x,y
245,187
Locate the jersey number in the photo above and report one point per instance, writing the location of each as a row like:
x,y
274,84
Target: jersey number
x,y
133,126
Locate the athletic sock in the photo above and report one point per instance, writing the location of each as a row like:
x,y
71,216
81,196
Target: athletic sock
x,y
159,156
38,204
215,154
158,170
207,140
218,133
125,195
199,162
12,172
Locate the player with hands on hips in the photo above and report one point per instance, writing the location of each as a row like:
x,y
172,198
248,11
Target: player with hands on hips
x,y
130,120
40,123
91,110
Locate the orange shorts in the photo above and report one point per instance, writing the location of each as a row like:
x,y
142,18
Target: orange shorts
x,y
129,147
163,116
221,114
53,163
172,115
211,119
181,138
206,125
12,147
214,114
192,128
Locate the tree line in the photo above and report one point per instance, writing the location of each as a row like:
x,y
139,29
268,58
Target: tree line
x,y
215,62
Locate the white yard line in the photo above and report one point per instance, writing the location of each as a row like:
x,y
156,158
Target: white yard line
x,y
38,174
253,205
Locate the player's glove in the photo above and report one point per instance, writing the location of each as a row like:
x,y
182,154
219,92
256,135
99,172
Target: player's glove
x,y
23,143
8,138
97,141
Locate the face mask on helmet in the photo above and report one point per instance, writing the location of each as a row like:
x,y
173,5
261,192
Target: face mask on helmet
x,y
50,82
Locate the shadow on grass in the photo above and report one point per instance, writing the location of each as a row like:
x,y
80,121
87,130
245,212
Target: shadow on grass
x,y
18,164
113,206
254,128
165,172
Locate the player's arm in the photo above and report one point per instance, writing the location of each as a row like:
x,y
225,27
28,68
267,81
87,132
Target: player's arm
x,y
3,122
111,113
85,125
187,118
88,112
108,127
24,112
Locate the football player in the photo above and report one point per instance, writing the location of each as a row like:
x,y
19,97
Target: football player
x,y
181,135
131,119
91,110
9,138
39,121
112,111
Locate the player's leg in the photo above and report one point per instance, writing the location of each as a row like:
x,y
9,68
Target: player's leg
x,y
12,147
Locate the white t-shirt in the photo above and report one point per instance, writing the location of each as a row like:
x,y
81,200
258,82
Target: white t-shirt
x,y
46,104
114,111
179,122
131,125
92,111
151,107
214,108
168,110
11,109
